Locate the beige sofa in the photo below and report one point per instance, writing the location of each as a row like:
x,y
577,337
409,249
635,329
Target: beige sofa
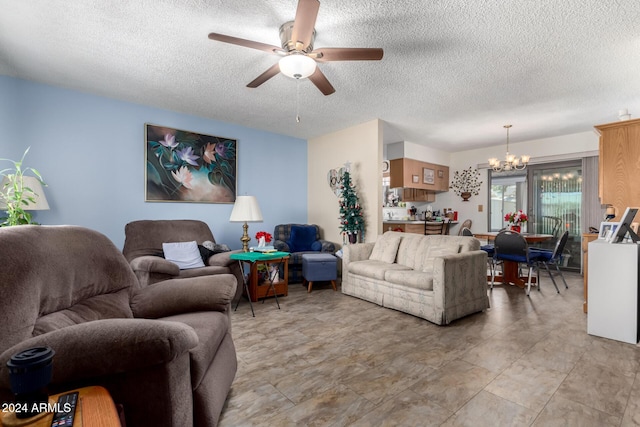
x,y
438,278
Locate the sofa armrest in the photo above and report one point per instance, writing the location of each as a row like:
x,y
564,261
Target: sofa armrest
x,y
154,264
327,246
110,346
281,245
222,259
357,252
459,278
175,296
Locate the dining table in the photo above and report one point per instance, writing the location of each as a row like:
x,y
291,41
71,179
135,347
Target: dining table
x,y
510,269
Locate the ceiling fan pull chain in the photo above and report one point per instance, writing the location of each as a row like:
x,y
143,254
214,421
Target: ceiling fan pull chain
x,y
297,100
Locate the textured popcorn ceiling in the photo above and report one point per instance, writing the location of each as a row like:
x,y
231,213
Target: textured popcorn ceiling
x,y
453,73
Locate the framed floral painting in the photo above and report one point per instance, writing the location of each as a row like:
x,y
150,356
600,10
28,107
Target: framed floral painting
x,y
183,166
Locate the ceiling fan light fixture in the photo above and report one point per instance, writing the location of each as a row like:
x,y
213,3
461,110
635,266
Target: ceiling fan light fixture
x,y
297,66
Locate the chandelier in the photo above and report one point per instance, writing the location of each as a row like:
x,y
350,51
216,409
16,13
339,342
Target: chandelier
x,y
511,162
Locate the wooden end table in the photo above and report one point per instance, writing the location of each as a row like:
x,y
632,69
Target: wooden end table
x,y
95,408
254,289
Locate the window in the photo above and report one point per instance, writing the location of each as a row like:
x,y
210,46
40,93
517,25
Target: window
x,y
508,194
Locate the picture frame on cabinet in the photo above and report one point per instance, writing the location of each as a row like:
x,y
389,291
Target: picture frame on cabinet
x,y
612,233
440,173
428,176
605,229
415,179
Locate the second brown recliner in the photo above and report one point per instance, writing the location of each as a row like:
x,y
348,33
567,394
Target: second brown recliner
x,y
143,250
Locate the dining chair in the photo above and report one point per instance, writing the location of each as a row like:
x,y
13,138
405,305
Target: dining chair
x,y
489,249
547,258
431,228
510,246
465,224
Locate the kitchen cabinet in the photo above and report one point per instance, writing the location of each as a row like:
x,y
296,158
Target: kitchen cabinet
x,y
619,164
418,195
410,173
408,226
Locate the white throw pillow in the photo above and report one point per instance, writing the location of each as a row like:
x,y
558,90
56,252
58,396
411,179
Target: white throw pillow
x,y
386,248
438,251
185,254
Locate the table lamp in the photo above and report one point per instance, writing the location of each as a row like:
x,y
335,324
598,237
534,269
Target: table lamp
x,y
246,210
32,183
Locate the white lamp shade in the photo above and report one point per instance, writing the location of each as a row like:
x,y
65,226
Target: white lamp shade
x,y
32,183
297,66
246,209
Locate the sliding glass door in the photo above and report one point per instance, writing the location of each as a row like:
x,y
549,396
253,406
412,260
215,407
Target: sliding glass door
x,y
550,194
556,203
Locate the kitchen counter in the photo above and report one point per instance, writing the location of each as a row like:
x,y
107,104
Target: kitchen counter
x,y
408,225
401,221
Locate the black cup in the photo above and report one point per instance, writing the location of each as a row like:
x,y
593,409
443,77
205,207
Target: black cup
x,y
30,372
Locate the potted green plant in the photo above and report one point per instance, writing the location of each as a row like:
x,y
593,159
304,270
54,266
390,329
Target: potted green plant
x,y
466,183
16,196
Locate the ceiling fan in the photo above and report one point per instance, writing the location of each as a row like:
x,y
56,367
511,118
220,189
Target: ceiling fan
x,y
298,57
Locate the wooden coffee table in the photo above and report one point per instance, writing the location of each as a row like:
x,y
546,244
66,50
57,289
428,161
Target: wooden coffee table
x,y
95,409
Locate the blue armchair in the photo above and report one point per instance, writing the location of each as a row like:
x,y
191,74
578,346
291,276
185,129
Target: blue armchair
x,y
299,239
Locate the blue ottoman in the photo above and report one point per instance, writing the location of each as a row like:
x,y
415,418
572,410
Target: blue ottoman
x,y
319,267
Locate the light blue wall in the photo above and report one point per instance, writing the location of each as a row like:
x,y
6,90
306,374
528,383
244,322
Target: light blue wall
x,y
8,121
90,151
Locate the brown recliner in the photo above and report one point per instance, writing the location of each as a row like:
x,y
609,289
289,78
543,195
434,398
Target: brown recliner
x,y
143,249
164,351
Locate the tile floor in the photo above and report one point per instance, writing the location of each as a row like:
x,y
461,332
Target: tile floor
x,y
328,359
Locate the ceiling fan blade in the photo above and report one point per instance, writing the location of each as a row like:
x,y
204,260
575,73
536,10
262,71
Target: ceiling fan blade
x,y
306,15
327,54
321,82
246,43
272,71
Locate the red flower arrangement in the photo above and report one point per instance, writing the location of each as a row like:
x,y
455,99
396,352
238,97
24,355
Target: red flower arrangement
x,y
516,217
267,236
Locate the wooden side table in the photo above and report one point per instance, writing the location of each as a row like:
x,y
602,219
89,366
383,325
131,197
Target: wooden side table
x,y
95,409
254,288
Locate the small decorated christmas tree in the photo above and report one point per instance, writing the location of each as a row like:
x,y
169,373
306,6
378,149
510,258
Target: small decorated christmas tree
x,y
351,219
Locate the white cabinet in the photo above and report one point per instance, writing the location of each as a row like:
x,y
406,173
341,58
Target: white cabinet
x,y
613,291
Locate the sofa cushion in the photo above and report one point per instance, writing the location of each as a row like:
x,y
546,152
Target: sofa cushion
x,y
412,278
386,248
184,254
436,252
374,269
108,306
412,250
302,238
